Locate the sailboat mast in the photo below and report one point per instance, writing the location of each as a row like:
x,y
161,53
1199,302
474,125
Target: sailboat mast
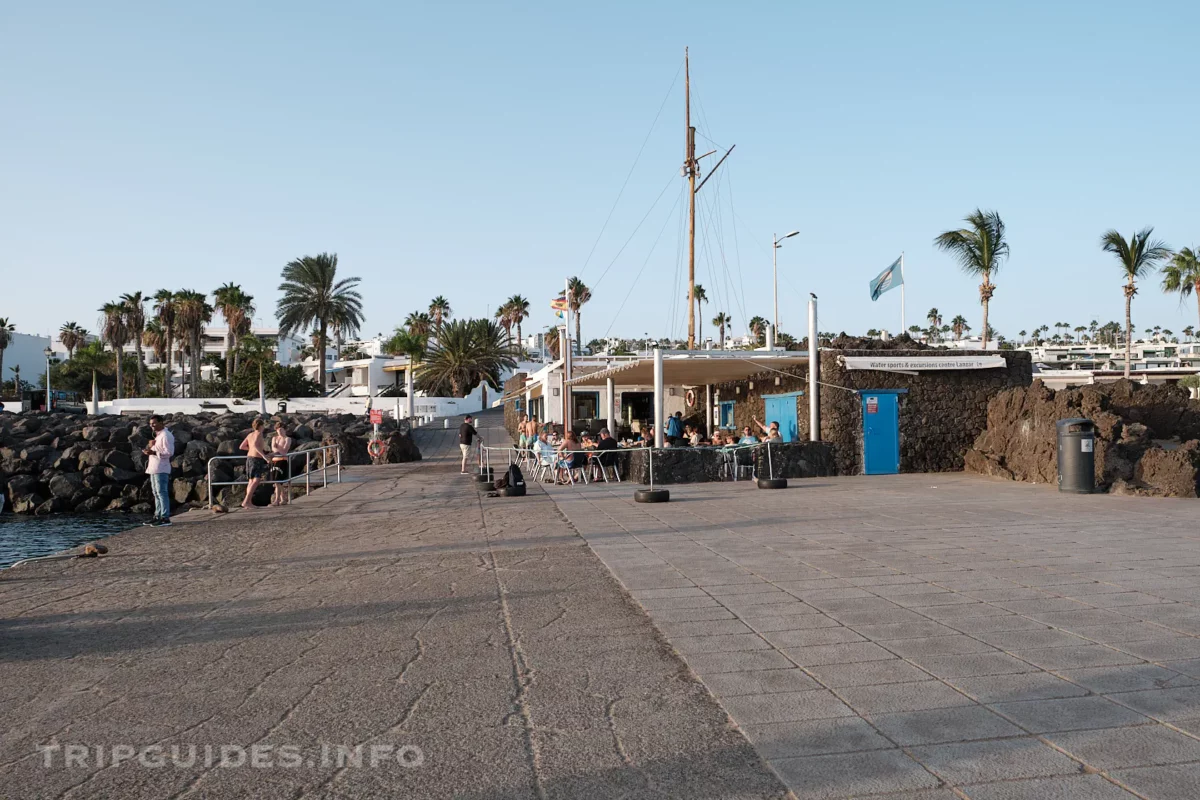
x,y
689,169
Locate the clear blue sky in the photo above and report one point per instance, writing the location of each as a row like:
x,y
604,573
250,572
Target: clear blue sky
x,y
474,150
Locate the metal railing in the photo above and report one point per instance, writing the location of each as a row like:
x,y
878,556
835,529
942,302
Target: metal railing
x,y
729,453
324,451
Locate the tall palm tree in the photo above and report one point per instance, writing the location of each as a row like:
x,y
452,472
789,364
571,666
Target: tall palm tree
x,y
115,332
466,354
958,325
237,308
1139,256
701,298
135,323
935,322
758,328
312,295
553,343
164,309
7,329
580,295
192,313
1023,334
504,318
518,309
155,337
979,249
418,323
1182,275
721,320
71,336
439,311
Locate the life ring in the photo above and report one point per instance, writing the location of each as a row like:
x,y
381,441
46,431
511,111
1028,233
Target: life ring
x,y
376,448
690,397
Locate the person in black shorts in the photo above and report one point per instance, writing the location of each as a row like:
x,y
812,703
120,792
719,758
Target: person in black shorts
x,y
255,446
466,434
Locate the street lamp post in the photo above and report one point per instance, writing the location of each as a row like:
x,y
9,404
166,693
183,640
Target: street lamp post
x,y
775,245
48,352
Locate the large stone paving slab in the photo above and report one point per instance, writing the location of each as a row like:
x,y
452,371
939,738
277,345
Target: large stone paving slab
x,y
928,635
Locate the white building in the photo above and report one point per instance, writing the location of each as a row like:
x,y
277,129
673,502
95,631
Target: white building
x,y
28,352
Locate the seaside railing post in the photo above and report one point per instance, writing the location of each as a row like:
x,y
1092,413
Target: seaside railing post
x,y
210,479
650,453
770,466
307,473
339,463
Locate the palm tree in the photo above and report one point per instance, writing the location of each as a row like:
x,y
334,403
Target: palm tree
x,y
580,294
935,322
404,343
192,313
518,310
164,309
1138,256
1023,334
7,329
155,337
71,336
1079,331
439,312
503,317
979,249
701,298
237,308
115,332
1182,275
418,323
135,323
721,320
914,331
958,325
467,353
758,327
1189,331
312,295
553,343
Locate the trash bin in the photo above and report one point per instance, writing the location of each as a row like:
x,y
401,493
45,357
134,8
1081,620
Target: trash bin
x,y
1076,456
282,407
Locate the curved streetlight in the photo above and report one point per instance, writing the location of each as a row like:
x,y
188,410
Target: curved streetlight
x,y
775,245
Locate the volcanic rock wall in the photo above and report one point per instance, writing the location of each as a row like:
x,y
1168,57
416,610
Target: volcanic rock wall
x,y
1145,436
67,462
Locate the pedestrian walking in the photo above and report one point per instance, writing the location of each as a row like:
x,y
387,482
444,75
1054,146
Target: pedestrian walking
x,y
158,466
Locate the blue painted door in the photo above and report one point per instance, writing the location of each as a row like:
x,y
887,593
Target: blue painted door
x,y
781,408
881,434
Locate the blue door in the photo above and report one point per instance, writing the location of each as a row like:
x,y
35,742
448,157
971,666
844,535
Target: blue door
x,y
726,414
781,408
881,434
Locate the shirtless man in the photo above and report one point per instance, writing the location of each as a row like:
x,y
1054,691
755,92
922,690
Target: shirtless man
x,y
256,460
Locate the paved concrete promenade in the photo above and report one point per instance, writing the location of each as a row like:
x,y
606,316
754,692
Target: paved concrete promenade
x,y
929,636
400,612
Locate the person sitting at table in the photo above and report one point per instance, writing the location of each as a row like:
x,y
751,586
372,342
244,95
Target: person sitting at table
x,y
569,457
748,436
718,439
770,433
604,456
694,436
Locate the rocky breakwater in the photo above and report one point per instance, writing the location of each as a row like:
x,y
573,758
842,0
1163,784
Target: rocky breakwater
x,y
1146,436
63,462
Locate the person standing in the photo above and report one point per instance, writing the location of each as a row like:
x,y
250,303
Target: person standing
x,y
281,470
158,467
674,429
256,460
466,435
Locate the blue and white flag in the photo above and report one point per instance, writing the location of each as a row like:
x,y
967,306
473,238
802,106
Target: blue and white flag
x,y
890,278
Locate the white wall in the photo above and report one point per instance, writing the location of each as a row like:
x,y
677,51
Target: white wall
x,y
26,350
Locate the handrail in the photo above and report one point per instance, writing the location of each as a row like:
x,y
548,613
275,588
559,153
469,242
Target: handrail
x,y
306,474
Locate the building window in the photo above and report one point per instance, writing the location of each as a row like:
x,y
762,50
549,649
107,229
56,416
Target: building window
x,y
726,414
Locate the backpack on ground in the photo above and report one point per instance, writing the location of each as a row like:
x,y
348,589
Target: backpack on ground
x,y
514,482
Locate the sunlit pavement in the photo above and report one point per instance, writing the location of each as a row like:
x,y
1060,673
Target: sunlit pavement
x,y
928,636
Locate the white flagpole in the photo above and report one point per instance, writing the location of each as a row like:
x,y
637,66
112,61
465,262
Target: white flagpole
x,y
902,285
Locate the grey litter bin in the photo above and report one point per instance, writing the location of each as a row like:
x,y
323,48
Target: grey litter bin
x,y
282,407
1076,456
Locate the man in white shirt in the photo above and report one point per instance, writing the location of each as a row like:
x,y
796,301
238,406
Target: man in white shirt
x,y
158,467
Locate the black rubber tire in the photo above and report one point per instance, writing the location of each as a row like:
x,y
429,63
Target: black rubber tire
x,y
772,483
651,496
514,491
485,477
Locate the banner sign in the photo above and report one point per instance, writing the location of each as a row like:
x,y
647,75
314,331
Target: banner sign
x,y
922,363
376,416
